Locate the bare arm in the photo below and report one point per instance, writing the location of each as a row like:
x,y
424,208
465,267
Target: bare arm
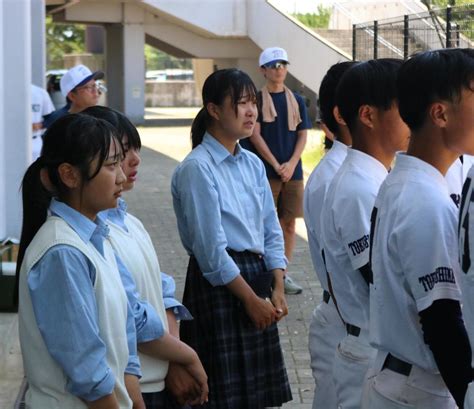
x,y
106,402
133,388
263,149
288,168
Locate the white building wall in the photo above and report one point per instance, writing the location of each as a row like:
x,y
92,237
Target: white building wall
x,y
3,201
38,42
16,100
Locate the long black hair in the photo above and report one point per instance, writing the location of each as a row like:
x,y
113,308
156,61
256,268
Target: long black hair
x,y
76,139
219,85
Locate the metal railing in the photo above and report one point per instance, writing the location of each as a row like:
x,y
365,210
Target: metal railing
x,y
402,36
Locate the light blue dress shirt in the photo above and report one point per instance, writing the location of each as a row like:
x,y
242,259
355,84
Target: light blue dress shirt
x,y
223,201
117,216
62,294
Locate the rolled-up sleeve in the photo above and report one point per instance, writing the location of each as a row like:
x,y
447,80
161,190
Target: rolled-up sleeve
x,y
200,225
148,324
274,254
180,312
63,299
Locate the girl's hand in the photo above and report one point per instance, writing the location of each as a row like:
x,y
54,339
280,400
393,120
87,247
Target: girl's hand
x,y
279,302
197,371
261,312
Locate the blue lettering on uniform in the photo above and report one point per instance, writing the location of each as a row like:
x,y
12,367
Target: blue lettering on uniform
x,y
440,275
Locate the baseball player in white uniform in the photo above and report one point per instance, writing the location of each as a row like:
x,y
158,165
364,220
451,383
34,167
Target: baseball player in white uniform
x,y
326,328
41,106
456,176
423,358
366,98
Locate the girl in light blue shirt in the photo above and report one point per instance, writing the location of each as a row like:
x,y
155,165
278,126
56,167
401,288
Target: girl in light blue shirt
x,y
229,227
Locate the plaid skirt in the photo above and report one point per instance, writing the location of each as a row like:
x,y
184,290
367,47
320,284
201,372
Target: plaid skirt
x,y
244,365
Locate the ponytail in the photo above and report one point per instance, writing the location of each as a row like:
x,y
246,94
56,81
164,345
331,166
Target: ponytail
x,y
199,126
36,200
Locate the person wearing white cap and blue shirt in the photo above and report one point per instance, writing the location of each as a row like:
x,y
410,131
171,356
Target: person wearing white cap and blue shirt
x,y
279,138
79,88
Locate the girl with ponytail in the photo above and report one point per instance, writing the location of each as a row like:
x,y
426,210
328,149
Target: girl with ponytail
x,y
229,227
76,327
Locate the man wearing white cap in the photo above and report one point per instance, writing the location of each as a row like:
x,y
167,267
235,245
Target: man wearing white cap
x,y
279,138
80,89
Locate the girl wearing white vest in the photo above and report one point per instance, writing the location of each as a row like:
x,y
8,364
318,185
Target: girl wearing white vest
x,y
74,319
133,245
77,328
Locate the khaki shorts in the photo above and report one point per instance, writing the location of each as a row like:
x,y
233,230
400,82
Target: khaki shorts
x,y
288,198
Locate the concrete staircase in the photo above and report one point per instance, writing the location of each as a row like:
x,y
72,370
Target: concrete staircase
x,y
340,38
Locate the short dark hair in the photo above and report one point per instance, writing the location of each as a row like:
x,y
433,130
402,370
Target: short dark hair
x,y
327,93
370,82
119,121
432,76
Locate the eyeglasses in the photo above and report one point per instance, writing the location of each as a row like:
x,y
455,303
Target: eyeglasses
x,y
90,88
277,65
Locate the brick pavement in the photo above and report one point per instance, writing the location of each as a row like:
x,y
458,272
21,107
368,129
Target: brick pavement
x,y
152,203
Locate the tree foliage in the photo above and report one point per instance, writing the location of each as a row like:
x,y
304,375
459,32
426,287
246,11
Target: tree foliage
x,y
63,39
315,20
159,60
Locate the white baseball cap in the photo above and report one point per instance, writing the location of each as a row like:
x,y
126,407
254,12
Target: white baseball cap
x,y
77,76
272,54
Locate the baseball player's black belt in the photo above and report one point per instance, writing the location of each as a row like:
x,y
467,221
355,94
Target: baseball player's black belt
x,y
352,330
397,365
326,296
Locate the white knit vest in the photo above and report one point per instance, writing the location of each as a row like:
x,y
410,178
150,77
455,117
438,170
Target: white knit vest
x,y
136,251
47,381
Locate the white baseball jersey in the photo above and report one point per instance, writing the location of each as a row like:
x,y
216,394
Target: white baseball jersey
x,y
456,175
345,222
414,258
466,254
314,195
41,105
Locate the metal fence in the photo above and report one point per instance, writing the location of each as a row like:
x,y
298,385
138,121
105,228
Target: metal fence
x,y
402,36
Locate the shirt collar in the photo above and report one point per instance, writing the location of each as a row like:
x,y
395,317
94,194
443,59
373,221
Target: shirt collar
x,y
339,147
367,163
408,162
116,214
217,151
83,226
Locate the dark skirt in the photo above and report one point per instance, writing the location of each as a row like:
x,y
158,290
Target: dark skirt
x,y
244,365
161,400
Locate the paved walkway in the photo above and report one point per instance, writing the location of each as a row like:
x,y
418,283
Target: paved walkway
x,y
163,148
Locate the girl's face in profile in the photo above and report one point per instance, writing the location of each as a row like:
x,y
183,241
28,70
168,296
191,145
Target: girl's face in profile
x,y
103,191
130,164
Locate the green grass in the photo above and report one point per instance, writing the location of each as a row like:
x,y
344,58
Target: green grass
x,y
314,150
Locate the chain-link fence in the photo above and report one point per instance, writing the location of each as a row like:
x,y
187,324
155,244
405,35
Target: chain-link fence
x,y
402,36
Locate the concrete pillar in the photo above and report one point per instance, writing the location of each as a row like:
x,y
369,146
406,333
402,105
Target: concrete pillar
x,y
126,64
16,27
38,42
3,198
114,73
134,63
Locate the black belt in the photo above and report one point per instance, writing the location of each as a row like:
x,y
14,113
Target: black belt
x,y
352,330
326,296
397,365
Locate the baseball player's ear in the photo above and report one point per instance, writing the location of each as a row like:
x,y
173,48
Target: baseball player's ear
x,y
366,115
338,116
437,113
213,110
